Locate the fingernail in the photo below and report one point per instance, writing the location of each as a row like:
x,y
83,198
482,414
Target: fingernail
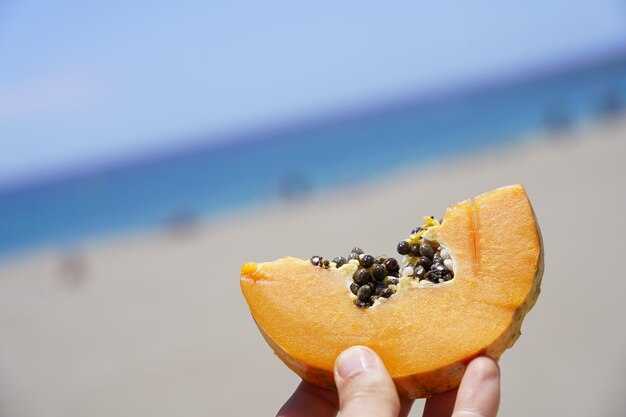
x,y
354,360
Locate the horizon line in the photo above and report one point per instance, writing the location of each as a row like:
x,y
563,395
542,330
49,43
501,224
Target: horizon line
x,y
613,55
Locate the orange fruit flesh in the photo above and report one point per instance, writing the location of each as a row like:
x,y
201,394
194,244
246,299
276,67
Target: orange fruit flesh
x,y
425,336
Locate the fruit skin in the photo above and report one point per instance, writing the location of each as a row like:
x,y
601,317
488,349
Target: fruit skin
x,y
491,295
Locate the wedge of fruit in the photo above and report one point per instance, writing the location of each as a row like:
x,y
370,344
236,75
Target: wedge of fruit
x,y
462,290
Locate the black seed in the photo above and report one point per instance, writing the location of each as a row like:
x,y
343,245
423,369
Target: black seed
x,y
354,287
435,275
340,261
364,293
447,276
373,298
386,293
357,250
367,261
425,262
326,263
393,281
379,288
379,272
361,276
403,247
428,275
379,260
416,230
316,260
437,258
415,250
439,267
353,256
395,274
392,265
372,286
363,304
427,249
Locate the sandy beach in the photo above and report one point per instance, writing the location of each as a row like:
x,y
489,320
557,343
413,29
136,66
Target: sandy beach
x,y
155,324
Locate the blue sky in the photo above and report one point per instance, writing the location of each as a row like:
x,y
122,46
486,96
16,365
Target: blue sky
x,y
84,83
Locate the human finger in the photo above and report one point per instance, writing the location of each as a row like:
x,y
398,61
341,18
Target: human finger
x,y
440,405
405,407
310,401
364,385
479,392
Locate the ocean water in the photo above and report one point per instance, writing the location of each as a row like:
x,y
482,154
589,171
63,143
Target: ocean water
x,y
295,161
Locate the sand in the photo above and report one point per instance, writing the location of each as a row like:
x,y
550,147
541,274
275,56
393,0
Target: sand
x,y
155,325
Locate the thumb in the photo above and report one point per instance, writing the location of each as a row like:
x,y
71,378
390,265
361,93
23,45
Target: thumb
x,y
364,385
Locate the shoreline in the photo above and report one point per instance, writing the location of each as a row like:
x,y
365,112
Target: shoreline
x,y
204,224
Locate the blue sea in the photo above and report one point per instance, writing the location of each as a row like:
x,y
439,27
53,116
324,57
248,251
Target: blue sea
x,y
294,161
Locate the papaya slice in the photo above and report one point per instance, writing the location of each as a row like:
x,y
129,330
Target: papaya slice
x,y
425,334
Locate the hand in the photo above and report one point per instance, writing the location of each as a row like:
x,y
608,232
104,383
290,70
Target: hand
x,y
366,390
